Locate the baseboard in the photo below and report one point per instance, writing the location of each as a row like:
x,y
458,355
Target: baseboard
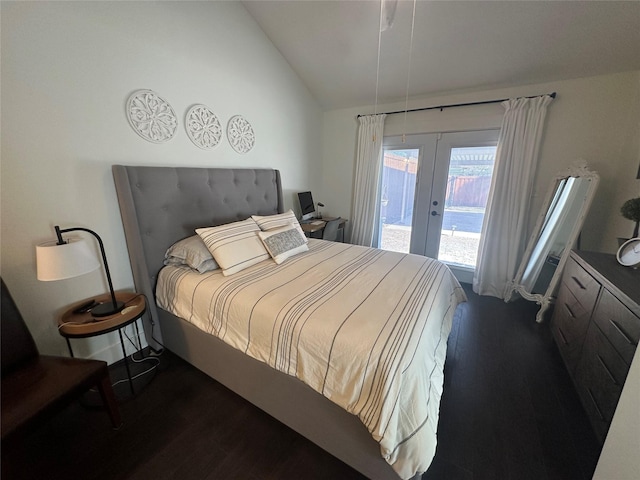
x,y
463,274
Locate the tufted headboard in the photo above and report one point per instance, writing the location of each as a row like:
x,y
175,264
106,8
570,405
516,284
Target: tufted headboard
x,y
161,205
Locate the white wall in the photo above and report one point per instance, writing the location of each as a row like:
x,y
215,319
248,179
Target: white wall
x,y
596,119
67,70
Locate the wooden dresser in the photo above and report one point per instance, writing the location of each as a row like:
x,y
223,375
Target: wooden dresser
x,y
596,325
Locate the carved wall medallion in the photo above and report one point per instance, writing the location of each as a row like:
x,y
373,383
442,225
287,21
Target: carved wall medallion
x,y
203,127
240,134
151,116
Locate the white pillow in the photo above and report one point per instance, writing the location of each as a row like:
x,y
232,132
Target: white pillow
x,y
270,222
235,246
283,242
191,251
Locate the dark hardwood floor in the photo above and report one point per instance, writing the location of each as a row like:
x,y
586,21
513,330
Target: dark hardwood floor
x,y
508,411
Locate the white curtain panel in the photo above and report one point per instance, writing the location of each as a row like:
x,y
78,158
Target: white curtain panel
x,y
503,239
367,179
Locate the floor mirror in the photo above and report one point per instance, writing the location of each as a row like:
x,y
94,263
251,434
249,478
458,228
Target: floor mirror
x,y
554,235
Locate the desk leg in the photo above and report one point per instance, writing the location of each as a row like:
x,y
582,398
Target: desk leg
x,y
126,361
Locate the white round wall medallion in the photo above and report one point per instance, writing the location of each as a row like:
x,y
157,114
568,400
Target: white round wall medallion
x,y
151,116
629,253
203,127
240,134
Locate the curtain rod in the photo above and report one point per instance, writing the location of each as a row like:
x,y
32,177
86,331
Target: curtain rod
x,y
442,107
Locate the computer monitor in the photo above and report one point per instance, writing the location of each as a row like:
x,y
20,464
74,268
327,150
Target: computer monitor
x,y
307,207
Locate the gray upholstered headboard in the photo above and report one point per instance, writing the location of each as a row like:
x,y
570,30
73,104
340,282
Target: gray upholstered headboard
x,y
161,205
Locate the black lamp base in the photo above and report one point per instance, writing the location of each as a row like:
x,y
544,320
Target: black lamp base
x,y
106,309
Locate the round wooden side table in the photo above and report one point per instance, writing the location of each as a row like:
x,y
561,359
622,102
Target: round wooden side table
x,y
83,325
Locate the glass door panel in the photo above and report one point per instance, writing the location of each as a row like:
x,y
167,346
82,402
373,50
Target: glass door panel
x,y
468,183
399,170
462,178
398,188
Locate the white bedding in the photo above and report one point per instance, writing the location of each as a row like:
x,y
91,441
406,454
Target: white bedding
x,y
364,327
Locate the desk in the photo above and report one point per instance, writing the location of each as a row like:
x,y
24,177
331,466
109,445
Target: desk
x,y
316,228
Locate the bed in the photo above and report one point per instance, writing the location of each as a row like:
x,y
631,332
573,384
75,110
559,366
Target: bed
x,y
161,205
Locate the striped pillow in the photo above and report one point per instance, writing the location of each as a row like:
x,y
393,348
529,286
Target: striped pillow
x,y
235,246
270,222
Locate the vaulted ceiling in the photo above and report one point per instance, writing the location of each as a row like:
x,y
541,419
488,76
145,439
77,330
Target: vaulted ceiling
x,y
457,45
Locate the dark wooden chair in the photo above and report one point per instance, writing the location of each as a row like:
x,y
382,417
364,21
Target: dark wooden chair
x,y
35,386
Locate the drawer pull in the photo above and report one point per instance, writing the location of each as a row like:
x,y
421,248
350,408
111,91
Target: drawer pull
x,y
575,279
564,339
606,369
595,404
621,332
569,310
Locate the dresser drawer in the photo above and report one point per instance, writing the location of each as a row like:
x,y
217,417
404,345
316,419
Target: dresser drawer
x,y
619,324
600,375
569,326
583,286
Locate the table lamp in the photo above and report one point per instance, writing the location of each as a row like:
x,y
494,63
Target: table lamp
x,y
62,259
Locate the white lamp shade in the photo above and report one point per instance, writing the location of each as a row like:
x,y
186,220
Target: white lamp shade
x,y
71,259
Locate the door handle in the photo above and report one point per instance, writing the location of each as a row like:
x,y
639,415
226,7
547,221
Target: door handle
x,y
434,213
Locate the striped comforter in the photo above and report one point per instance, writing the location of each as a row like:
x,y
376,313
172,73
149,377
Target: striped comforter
x,y
364,327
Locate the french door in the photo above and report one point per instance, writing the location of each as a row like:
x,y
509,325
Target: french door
x,y
433,194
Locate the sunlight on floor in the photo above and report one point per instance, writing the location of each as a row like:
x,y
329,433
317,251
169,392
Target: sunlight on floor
x,y
460,248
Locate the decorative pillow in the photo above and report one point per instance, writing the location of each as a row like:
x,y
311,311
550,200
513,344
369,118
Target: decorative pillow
x,y
235,246
270,222
193,252
283,242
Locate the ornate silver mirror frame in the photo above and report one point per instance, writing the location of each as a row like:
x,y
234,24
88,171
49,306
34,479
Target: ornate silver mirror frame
x,y
554,235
